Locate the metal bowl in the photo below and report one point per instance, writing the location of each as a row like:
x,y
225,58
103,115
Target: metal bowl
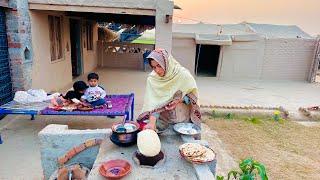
x,y
127,138
187,128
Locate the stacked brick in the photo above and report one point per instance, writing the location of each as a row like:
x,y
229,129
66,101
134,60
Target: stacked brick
x,y
19,44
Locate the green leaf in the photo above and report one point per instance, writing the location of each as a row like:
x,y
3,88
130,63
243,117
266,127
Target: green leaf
x,y
219,178
261,170
233,173
246,165
247,177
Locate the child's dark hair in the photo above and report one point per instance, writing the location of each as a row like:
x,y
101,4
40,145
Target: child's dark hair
x,y
93,76
79,86
70,95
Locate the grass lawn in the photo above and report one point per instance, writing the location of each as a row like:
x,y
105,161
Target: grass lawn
x,y
287,149
144,41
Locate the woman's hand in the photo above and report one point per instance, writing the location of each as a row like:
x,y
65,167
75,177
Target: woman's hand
x,y
172,105
151,124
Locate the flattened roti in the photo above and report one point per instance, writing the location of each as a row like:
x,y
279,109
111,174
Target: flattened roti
x,y
197,153
209,155
192,149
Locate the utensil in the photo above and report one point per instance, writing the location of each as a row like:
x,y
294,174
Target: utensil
x,y
109,104
115,169
123,143
121,128
187,128
127,138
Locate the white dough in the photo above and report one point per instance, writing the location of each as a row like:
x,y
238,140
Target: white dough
x,y
149,143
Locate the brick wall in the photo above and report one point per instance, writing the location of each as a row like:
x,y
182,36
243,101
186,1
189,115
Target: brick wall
x,y
19,42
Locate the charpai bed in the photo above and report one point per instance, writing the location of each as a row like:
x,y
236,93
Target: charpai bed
x,y
122,105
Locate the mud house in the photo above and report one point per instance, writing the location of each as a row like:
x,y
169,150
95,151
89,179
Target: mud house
x,y
245,51
52,42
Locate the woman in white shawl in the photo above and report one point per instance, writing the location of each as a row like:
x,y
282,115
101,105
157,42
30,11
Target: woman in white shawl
x,y
171,94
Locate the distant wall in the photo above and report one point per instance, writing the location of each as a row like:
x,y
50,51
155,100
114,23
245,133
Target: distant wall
x,y
47,75
90,57
242,60
269,59
56,140
184,50
53,76
288,59
122,55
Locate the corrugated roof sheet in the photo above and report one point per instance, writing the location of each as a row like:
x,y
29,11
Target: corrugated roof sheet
x,y
279,31
265,30
201,28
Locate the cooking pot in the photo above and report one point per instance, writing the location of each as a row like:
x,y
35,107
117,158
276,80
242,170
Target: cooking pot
x,y
127,138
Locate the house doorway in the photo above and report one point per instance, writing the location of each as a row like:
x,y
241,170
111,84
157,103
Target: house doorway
x,y
75,37
207,60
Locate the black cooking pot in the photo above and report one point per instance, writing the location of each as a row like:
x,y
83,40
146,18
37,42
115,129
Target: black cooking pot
x,y
127,138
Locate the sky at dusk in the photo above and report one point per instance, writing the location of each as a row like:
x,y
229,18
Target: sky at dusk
x,y
303,13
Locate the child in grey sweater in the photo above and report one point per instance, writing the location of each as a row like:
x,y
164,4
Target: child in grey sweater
x,y
94,94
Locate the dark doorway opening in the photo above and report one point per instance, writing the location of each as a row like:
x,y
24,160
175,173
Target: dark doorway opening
x,y
75,37
6,93
207,60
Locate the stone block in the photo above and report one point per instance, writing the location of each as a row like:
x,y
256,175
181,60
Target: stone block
x,y
57,140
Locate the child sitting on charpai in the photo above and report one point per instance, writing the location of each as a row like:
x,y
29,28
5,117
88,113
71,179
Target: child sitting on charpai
x,y
94,94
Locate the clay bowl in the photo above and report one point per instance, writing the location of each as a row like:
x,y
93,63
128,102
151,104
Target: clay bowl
x,y
115,169
125,138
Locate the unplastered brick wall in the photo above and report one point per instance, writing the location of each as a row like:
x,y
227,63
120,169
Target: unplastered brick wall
x,y
56,140
19,44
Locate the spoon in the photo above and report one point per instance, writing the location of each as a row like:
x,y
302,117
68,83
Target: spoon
x,y
120,127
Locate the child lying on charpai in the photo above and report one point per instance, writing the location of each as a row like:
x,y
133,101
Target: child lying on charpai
x,y
72,99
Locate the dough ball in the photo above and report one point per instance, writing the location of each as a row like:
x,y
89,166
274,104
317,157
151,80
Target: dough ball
x,y
149,143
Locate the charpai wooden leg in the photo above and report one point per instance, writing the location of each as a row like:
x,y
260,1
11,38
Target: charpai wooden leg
x,y
32,117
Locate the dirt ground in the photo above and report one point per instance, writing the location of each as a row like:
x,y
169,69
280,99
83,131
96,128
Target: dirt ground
x,y
287,149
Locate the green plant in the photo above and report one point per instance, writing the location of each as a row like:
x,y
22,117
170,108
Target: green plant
x,y
249,169
276,115
213,114
220,178
230,116
254,120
